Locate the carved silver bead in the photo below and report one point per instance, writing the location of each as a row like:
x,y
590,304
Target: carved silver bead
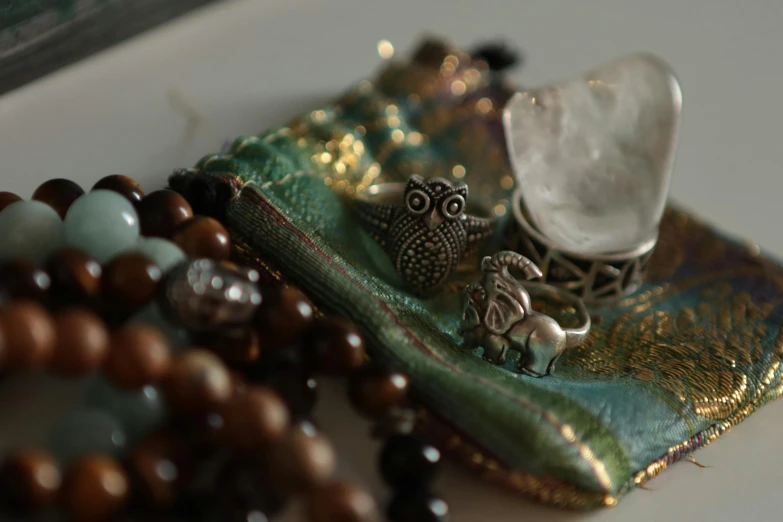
x,y
204,296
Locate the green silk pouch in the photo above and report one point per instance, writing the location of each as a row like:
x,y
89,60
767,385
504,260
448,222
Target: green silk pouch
x,y
664,371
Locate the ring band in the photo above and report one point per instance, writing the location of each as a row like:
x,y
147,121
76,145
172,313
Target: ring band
x,y
577,334
423,226
498,317
593,277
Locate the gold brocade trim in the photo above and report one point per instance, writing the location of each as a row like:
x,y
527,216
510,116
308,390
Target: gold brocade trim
x,y
557,493
706,437
546,490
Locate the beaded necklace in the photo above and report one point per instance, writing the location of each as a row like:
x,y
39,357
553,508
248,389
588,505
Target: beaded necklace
x,y
187,414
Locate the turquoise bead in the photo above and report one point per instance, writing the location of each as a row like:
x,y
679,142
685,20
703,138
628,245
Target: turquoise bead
x,y
102,223
138,411
31,229
178,337
163,252
87,431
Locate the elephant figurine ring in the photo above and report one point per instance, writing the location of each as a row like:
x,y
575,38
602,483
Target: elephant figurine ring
x,y
498,317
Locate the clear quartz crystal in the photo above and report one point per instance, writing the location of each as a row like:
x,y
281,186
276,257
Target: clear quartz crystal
x,y
593,155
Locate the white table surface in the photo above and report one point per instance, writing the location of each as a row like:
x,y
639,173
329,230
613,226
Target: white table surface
x,y
246,65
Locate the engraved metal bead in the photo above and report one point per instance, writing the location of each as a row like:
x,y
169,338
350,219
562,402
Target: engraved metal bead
x,y
204,296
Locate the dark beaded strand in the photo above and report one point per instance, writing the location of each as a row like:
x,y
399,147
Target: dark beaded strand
x,y
217,418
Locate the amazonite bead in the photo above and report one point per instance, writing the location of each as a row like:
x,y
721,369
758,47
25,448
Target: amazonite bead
x,y
87,431
162,252
102,223
31,229
137,411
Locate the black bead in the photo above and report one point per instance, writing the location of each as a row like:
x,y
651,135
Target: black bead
x,y
207,195
298,391
497,55
286,372
419,506
399,421
407,462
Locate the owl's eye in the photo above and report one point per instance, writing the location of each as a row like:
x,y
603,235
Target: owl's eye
x,y
453,206
417,201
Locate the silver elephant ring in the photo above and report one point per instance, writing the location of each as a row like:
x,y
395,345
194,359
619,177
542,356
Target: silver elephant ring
x,y
423,226
498,317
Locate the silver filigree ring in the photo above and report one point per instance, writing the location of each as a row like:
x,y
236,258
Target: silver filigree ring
x,y
423,226
593,277
498,317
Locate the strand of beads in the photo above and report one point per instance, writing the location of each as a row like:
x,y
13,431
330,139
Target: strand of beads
x,y
80,471
292,354
124,403
233,448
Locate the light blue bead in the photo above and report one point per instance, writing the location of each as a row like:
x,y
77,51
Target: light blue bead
x,y
138,411
178,337
102,223
87,431
31,230
163,252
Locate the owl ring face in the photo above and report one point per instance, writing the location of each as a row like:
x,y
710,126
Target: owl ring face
x,y
424,228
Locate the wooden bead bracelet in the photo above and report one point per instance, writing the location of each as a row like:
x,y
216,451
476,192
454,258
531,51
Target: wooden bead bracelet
x,y
221,421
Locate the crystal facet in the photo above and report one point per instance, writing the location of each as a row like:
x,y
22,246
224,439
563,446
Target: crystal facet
x,y
593,155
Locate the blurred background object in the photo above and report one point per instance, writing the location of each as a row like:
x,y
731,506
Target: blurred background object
x,y
39,36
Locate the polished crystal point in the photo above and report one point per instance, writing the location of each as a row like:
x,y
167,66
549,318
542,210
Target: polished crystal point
x,y
593,155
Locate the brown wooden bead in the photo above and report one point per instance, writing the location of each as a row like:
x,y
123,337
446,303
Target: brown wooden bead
x,y
139,355
283,316
339,501
301,459
58,193
123,185
6,198
130,281
335,346
162,212
196,382
160,464
375,392
82,343
94,488
255,418
204,236
22,279
75,276
235,346
29,479
29,335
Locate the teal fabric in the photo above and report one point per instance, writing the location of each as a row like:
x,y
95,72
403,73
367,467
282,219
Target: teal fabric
x,y
665,371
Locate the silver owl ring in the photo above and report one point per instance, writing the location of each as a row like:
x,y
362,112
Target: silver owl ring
x,y
498,317
423,227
